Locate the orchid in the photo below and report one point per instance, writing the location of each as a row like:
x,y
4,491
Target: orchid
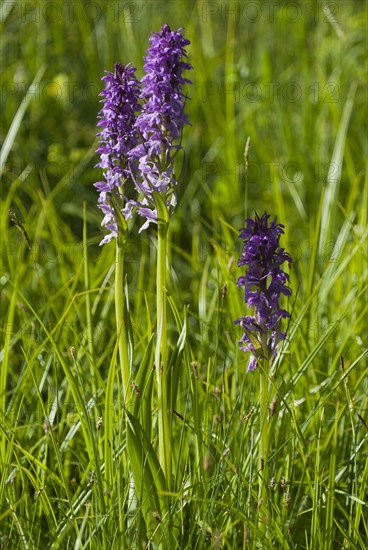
x,y
139,141
264,283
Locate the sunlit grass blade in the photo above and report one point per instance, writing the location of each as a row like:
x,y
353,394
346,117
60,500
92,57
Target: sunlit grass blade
x,y
334,174
17,120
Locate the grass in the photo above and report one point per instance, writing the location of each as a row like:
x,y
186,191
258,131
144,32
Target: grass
x,y
292,79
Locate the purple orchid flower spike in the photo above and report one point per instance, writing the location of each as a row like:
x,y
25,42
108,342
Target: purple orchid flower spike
x,y
161,121
117,138
264,283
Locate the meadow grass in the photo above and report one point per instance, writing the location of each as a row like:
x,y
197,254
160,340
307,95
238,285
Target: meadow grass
x,y
79,466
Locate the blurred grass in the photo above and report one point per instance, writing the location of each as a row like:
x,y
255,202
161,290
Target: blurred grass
x,y
284,75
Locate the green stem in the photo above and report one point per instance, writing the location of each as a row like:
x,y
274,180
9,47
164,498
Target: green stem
x,y
120,321
263,447
161,356
122,334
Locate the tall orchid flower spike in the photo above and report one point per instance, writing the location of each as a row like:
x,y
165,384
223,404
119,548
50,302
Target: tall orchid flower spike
x,y
117,138
264,283
160,123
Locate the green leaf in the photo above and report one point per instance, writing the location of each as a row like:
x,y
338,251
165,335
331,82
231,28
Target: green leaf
x,y
141,396
162,212
148,477
121,221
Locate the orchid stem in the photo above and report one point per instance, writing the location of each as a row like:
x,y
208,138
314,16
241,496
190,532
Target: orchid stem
x,y
263,448
161,356
120,321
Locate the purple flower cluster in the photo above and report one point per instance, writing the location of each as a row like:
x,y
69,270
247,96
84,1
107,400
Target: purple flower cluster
x,y
162,118
139,150
117,138
263,283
